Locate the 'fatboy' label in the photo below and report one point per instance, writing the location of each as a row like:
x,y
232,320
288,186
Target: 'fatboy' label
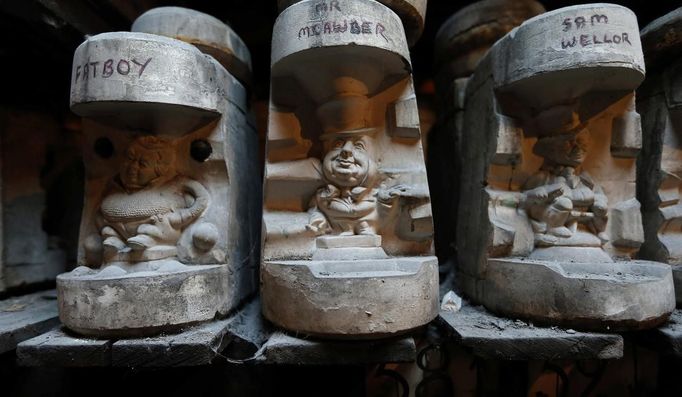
x,y
107,68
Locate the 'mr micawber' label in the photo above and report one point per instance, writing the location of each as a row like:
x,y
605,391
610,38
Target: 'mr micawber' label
x,y
330,20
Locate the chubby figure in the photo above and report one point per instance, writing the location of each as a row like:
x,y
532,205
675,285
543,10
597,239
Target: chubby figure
x,y
560,197
350,203
147,205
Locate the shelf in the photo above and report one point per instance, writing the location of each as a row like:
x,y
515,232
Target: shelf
x,y
285,349
492,337
232,339
25,317
243,338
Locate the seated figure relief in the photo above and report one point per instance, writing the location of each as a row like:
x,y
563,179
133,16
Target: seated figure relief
x,y
343,235
148,205
564,204
351,203
549,227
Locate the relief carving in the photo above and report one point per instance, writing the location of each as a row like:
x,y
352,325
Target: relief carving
x,y
170,228
552,232
350,203
460,43
564,203
346,213
147,205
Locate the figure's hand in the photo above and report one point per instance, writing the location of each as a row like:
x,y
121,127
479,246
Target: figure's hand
x,y
392,193
539,195
554,192
398,190
156,219
329,191
599,210
317,224
545,194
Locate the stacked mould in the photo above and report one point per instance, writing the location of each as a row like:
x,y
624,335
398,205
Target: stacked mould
x,y
548,220
347,215
171,216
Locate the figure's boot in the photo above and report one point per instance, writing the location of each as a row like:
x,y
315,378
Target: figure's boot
x,y
544,239
557,216
347,229
561,231
365,229
148,236
111,247
141,242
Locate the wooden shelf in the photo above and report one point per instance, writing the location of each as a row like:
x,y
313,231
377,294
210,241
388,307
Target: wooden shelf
x,y
243,338
285,349
238,336
25,317
492,337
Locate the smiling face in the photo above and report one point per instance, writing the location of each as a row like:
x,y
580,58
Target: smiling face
x,y
147,158
571,152
347,162
577,149
568,150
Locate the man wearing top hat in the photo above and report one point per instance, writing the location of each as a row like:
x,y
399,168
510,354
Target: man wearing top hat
x,y
348,204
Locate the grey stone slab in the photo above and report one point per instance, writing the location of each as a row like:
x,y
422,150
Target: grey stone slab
x,y
346,299
535,49
492,337
295,32
57,348
286,349
136,306
148,66
587,295
26,316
